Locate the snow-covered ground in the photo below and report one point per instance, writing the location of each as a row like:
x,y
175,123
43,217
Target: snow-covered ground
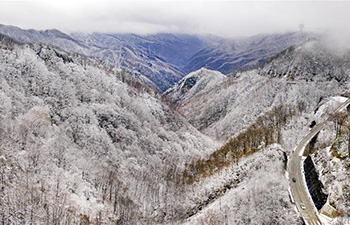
x,y
78,144
85,144
257,191
306,74
195,83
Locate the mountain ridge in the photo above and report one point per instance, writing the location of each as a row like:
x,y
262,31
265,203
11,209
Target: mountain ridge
x,y
162,59
192,84
234,54
130,52
93,143
85,137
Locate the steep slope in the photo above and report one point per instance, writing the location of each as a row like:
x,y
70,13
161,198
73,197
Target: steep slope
x,y
313,61
78,145
52,37
228,108
156,57
248,97
230,55
255,191
193,84
160,60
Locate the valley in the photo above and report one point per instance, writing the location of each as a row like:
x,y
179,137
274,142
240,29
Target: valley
x,y
99,128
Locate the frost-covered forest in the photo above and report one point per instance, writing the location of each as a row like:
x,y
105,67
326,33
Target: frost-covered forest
x,y
277,103
79,144
83,143
292,78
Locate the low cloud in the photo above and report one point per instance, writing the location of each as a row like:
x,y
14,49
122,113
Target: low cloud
x,y
228,19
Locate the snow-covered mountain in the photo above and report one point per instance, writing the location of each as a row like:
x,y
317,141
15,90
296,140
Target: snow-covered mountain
x,y
313,61
160,60
230,55
157,57
228,107
195,83
233,108
81,143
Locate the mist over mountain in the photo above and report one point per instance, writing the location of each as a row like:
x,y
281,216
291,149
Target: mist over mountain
x,y
155,57
300,82
231,55
311,70
168,128
160,60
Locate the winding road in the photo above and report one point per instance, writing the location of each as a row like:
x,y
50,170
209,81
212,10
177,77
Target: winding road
x,y
298,187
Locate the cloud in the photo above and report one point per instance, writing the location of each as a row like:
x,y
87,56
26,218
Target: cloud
x,y
218,18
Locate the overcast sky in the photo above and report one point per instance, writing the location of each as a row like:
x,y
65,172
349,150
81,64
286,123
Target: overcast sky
x,y
226,19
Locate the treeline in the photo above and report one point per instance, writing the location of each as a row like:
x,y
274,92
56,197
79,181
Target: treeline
x,y
264,131
341,121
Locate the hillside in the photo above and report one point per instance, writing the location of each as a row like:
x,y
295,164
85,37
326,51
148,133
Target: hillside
x,y
230,55
160,60
157,57
240,99
76,141
82,142
195,83
254,193
313,61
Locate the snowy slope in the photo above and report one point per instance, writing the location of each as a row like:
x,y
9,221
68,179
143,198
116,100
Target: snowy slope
x,y
195,83
227,108
230,55
79,144
163,59
313,61
255,193
157,57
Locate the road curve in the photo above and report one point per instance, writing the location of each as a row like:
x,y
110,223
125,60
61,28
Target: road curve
x,y
298,188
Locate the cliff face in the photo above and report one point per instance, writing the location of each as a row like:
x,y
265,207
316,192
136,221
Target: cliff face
x,y
314,185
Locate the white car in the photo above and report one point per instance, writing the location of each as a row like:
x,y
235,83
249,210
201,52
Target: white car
x,y
302,206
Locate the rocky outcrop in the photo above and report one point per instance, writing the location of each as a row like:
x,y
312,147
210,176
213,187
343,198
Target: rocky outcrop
x,y
314,185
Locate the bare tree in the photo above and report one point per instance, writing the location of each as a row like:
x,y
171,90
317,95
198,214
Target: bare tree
x,y
301,105
338,119
347,132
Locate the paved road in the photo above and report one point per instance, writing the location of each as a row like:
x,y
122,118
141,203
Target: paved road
x,y
299,189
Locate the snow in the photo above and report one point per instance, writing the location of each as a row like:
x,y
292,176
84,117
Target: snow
x,y
239,100
78,140
2,158
260,192
89,144
194,84
325,109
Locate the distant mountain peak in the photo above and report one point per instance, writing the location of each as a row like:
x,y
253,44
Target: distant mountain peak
x,y
194,83
312,61
229,55
163,59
